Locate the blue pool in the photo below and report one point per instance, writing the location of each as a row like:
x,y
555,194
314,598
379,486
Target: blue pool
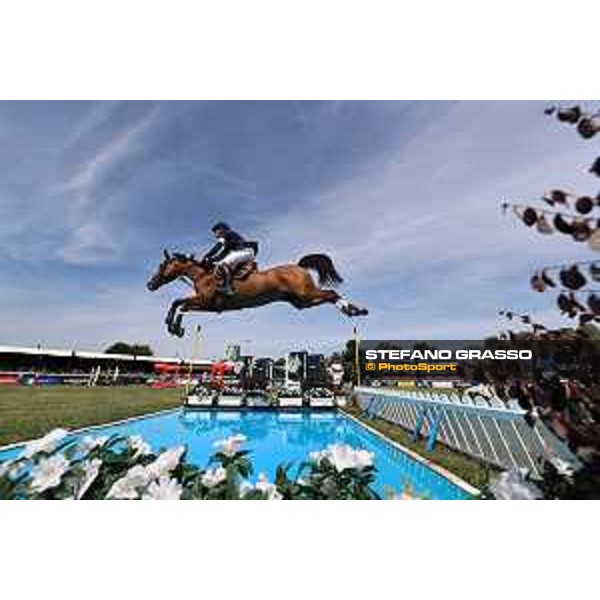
x,y
281,437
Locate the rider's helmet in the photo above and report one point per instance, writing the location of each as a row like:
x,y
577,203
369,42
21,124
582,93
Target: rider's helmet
x,y
220,226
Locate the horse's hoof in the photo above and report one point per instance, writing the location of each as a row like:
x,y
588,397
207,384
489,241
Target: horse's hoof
x,y
174,330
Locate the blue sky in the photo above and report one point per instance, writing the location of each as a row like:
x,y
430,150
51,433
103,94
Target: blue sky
x,y
403,195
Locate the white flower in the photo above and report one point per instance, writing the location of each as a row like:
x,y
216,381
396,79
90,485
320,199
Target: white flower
x,y
89,443
267,488
163,489
212,477
136,442
44,444
512,485
90,472
231,445
138,477
342,457
48,472
166,462
127,487
262,485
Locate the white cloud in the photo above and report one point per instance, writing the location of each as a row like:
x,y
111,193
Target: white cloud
x,y
91,238
90,243
84,180
98,114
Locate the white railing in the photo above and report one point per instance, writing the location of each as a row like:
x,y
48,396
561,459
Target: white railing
x,y
485,428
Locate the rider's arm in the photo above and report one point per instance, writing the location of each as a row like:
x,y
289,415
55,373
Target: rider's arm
x,y
216,252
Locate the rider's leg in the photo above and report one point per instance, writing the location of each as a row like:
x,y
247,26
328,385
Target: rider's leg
x,y
230,263
223,273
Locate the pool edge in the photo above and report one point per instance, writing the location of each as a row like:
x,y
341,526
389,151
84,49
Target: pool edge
x,y
451,477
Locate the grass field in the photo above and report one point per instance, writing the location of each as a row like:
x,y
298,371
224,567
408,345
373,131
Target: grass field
x,y
29,412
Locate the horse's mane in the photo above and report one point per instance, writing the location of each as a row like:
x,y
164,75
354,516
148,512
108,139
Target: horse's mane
x,y
188,257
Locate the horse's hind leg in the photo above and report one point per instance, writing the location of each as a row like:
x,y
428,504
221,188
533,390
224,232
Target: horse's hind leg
x,y
319,297
315,298
349,309
346,307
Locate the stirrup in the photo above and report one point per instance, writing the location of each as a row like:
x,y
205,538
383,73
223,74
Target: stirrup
x,y
227,290
224,284
223,288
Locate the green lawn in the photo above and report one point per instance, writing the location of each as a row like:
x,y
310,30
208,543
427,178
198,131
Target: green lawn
x,y
29,412
468,469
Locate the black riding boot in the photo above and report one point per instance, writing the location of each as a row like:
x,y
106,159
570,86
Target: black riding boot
x,y
223,273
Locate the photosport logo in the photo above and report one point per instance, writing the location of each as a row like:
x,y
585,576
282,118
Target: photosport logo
x,y
473,359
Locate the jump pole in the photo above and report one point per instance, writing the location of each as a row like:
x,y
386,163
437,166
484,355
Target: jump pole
x,y
356,355
195,348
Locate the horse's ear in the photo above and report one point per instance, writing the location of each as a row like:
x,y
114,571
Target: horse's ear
x,y
166,254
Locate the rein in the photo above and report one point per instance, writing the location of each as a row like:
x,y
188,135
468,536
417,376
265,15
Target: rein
x,y
184,280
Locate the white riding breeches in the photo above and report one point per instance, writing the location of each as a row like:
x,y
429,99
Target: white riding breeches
x,y
237,257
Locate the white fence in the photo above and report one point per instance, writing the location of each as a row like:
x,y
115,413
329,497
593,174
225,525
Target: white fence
x,y
487,429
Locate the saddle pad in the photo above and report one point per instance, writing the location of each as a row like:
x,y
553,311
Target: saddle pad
x,y
244,270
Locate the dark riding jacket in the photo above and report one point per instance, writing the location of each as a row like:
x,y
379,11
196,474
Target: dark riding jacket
x,y
230,241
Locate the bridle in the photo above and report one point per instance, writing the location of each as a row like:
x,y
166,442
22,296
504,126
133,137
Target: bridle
x,y
183,279
159,280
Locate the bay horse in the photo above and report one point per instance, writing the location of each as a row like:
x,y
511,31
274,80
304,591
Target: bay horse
x,y
290,283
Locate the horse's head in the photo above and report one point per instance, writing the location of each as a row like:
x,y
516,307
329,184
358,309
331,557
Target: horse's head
x,y
171,268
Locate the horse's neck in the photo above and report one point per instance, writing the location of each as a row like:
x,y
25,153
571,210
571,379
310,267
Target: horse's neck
x,y
196,274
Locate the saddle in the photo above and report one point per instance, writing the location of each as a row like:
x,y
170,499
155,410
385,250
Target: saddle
x,y
247,268
244,270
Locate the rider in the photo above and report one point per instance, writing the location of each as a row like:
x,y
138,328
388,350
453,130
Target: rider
x,y
230,251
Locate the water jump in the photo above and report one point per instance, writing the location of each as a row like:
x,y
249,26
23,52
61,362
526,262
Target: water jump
x,y
227,278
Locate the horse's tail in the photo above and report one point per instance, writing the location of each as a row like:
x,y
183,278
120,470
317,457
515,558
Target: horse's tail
x,y
323,265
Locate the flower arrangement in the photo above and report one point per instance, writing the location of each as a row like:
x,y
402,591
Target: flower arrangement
x,y
59,467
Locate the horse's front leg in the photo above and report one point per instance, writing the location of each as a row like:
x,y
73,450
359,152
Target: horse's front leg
x,y
179,307
170,318
170,315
